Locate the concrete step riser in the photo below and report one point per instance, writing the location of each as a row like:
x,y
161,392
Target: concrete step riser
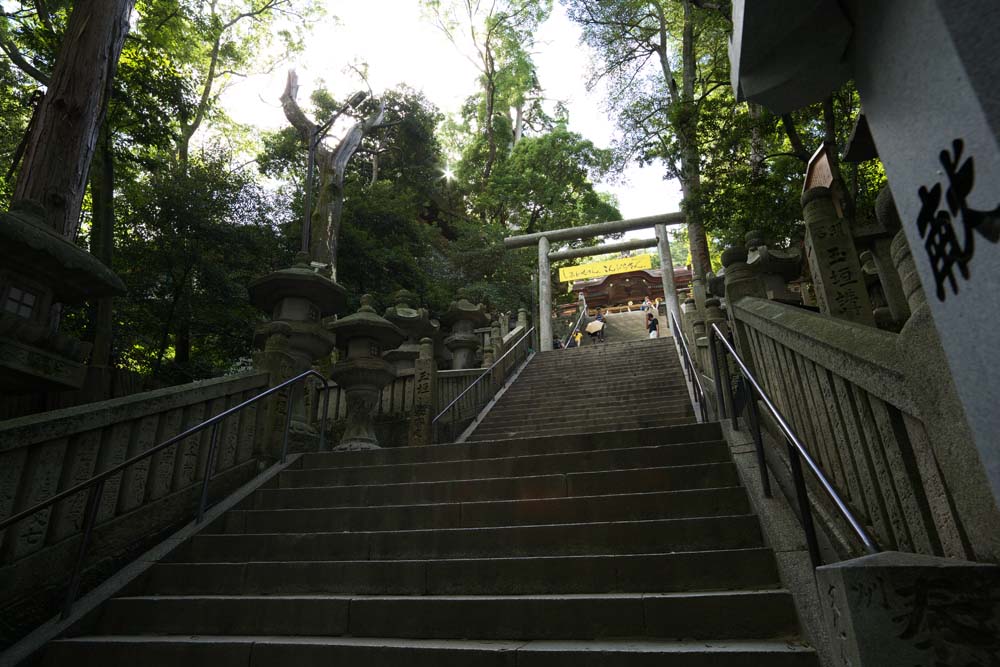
x,y
528,421
380,652
523,488
609,459
708,533
669,572
591,427
761,615
525,414
661,383
565,393
512,429
635,507
688,433
574,403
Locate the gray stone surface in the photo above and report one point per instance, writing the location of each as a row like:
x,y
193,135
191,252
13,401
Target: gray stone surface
x,y
906,609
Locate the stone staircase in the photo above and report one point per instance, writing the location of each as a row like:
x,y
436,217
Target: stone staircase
x,y
630,543
630,326
635,384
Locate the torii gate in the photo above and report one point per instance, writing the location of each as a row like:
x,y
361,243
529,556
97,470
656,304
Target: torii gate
x,y
545,258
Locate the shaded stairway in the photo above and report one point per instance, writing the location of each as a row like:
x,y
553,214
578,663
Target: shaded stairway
x,y
603,387
623,547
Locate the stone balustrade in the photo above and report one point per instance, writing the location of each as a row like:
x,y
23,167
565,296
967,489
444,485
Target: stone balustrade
x,y
40,455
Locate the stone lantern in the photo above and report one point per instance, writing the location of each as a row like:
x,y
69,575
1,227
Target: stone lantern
x,y
362,372
415,323
463,317
775,267
38,270
299,297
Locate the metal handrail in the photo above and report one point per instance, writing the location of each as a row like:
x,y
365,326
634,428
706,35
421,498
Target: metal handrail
x,y
691,369
796,451
484,374
90,512
579,320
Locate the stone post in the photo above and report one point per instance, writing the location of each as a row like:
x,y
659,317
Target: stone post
x,y
897,609
741,281
300,298
463,317
667,273
948,431
833,260
424,395
688,312
714,315
544,296
522,318
363,372
275,360
414,322
892,287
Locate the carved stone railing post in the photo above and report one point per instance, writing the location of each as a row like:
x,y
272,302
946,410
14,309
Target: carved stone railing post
x,y
300,298
463,317
424,395
362,371
522,317
833,260
414,322
741,281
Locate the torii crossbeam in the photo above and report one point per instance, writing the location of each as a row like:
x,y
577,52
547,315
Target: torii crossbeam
x,y
545,257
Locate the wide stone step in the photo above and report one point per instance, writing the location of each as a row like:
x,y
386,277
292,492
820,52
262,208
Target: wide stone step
x,y
686,433
661,383
512,428
594,573
538,464
234,651
766,614
555,399
568,429
627,507
617,537
635,369
612,404
641,480
521,416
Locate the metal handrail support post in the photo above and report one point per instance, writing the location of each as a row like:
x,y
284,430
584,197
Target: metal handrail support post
x,y
727,380
90,518
482,375
94,494
288,422
720,404
758,441
209,464
694,379
576,327
797,454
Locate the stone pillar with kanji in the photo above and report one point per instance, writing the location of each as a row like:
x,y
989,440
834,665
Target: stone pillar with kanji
x,y
833,260
424,395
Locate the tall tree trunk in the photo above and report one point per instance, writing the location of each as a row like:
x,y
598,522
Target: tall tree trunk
x,y
690,151
102,238
61,144
491,137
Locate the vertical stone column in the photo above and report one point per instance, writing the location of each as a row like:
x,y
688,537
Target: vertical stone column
x,y
424,395
741,281
544,296
667,273
522,318
833,260
463,317
892,286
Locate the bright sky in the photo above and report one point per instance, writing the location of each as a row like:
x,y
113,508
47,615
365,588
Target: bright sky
x,y
400,45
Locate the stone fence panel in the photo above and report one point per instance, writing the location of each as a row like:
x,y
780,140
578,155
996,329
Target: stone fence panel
x,y
847,391
41,455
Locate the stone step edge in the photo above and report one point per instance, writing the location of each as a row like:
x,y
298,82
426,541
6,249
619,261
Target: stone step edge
x,y
509,501
483,479
626,646
663,524
576,452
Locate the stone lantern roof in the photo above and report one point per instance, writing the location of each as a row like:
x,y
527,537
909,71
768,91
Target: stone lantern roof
x,y
31,248
366,323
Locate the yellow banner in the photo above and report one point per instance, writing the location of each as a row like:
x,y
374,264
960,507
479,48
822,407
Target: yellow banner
x,y
606,268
